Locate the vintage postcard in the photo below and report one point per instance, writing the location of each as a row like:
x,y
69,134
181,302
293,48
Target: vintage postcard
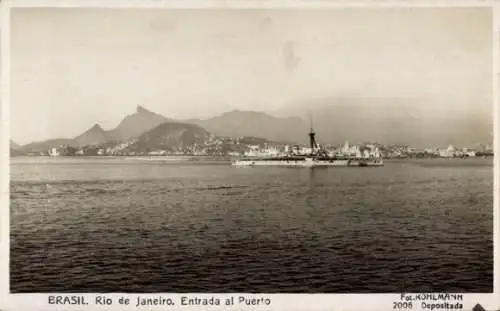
x,y
277,155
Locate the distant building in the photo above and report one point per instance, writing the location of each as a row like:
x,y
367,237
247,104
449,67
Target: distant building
x,y
375,152
452,151
252,153
272,151
444,153
53,152
346,148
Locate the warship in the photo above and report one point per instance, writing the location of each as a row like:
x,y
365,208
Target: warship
x,y
316,158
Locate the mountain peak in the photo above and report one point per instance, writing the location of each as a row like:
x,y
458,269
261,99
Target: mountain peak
x,y
97,127
137,123
141,109
94,135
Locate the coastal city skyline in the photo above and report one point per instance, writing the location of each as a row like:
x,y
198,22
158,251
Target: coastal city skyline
x,y
143,120
432,73
145,133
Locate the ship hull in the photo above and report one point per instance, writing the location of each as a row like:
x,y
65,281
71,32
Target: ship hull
x,y
308,162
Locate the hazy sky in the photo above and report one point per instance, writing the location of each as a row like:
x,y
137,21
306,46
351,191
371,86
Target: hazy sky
x,y
72,68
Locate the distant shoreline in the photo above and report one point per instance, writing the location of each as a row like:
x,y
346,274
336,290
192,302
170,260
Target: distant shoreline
x,y
191,157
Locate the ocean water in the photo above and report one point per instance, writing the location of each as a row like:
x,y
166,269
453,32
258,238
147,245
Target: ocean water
x,y
129,225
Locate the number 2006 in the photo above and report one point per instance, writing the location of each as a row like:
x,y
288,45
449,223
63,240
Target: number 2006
x,y
402,305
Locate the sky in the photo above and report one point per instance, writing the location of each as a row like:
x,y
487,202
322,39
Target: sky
x,y
72,68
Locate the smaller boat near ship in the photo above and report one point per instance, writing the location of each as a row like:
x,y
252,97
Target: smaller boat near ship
x,y
317,158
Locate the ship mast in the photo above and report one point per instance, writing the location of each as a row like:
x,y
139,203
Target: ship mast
x,y
312,134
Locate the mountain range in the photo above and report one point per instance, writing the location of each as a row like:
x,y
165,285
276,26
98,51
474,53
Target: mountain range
x,y
255,124
136,125
131,126
345,120
396,121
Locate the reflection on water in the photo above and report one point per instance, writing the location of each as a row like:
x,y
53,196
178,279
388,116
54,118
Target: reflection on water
x,y
116,225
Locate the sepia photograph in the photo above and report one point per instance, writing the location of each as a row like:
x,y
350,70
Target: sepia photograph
x,y
285,150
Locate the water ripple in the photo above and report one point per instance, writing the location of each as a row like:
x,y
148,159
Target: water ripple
x,y
213,228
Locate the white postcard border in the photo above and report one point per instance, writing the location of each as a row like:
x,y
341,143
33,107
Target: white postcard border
x,y
490,301
4,154
496,148
292,302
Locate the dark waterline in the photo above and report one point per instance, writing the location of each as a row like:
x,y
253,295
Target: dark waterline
x,y
125,225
